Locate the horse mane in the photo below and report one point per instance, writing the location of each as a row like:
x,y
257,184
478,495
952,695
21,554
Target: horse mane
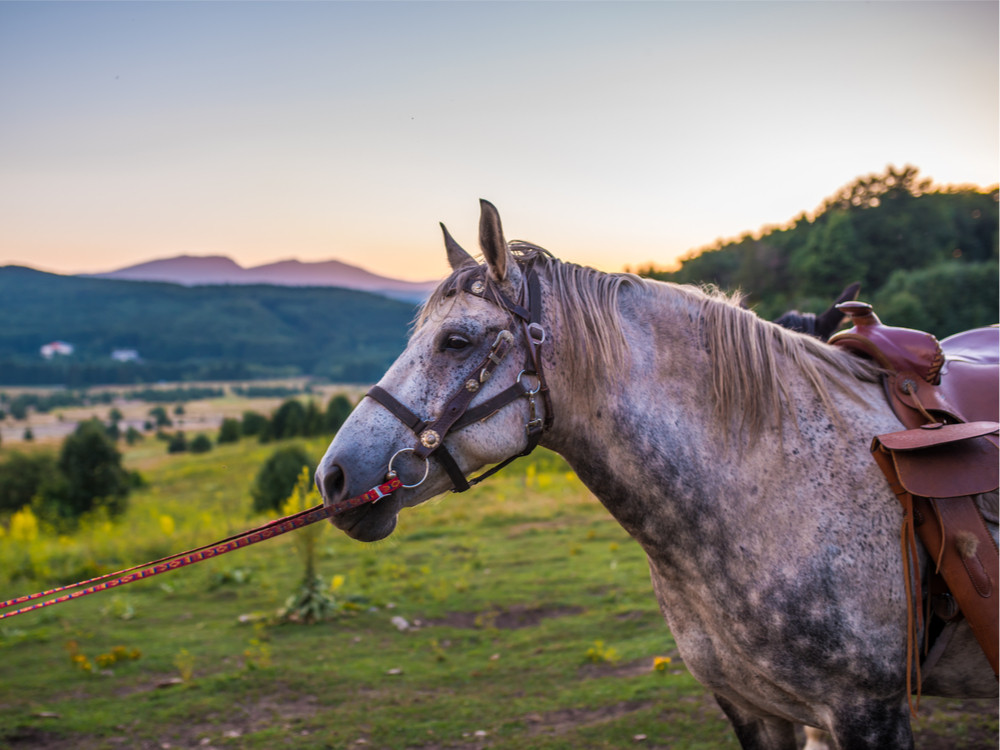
x,y
588,302
749,355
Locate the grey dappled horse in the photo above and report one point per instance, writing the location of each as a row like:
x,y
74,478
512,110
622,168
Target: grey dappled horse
x,y
736,452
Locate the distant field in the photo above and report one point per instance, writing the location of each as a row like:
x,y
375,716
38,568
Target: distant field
x,y
199,415
517,615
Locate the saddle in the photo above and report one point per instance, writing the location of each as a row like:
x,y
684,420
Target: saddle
x,y
946,394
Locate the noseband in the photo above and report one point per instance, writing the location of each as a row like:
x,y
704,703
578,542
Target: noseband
x,y
458,412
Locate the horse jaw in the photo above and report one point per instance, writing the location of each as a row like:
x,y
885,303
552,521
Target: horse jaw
x,y
368,524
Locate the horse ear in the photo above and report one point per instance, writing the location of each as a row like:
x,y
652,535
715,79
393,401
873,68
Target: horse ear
x,y
491,240
457,256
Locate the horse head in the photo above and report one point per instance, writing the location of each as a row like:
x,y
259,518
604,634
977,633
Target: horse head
x,y
466,392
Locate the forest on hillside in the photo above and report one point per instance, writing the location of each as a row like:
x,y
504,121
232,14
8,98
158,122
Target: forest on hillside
x,y
191,333
926,256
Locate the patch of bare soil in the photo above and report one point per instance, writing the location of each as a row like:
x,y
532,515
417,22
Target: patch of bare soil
x,y
217,731
571,719
29,738
511,618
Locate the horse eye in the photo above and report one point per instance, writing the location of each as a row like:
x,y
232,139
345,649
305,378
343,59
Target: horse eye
x,y
454,342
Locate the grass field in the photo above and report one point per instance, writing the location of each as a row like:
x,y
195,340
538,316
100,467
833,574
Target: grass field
x,y
517,615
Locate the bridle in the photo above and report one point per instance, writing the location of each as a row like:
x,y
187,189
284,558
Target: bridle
x,y
458,411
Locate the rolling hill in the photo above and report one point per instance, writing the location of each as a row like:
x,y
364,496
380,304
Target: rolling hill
x,y
191,332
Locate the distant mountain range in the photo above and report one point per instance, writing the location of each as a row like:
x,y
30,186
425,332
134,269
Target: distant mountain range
x,y
190,270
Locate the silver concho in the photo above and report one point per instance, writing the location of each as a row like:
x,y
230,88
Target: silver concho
x,y
471,385
430,439
478,287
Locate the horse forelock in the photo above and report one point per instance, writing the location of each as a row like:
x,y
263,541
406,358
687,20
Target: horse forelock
x,y
751,359
590,336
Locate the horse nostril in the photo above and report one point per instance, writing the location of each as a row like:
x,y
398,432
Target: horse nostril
x,y
331,483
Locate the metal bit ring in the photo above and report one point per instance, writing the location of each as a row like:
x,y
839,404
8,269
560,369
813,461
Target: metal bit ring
x,y
427,468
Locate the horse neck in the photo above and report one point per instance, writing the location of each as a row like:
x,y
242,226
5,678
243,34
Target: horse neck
x,y
645,438
594,406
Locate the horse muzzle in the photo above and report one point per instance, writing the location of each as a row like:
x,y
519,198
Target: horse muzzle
x,y
366,523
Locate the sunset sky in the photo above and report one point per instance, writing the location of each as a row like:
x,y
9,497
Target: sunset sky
x,y
613,134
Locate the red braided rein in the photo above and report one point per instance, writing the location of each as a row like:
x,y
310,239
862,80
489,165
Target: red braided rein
x,y
268,530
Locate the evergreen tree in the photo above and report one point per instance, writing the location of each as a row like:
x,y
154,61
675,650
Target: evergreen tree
x,y
276,479
230,431
338,409
289,420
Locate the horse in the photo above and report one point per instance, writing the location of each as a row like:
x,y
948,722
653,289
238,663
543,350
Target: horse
x,y
733,450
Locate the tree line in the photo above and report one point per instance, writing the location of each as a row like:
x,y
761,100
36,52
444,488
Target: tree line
x,y
926,256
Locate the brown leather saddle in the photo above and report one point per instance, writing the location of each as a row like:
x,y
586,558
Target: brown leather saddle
x,y
947,395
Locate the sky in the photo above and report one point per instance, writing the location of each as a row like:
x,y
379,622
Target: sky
x,y
614,134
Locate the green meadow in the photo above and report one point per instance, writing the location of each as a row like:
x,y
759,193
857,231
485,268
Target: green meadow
x,y
517,615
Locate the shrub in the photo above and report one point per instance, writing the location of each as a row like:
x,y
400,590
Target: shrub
x,y
21,476
277,477
90,475
253,423
230,431
178,443
200,444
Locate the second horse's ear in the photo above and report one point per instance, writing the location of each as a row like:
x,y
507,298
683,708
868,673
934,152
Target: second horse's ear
x,y
829,321
491,241
457,256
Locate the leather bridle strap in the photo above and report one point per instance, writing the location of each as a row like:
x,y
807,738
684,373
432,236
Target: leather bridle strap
x,y
417,426
534,334
430,433
431,438
457,413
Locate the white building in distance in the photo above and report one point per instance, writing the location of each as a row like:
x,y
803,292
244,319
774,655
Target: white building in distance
x,y
125,355
60,348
